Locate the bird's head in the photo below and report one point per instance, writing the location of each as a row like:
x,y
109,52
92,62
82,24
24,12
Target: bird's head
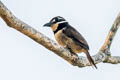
x,y
55,22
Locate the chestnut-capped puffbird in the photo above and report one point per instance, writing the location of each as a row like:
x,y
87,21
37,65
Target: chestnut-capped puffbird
x,y
69,37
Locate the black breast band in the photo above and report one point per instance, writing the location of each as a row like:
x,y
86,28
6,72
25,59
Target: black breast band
x,y
61,26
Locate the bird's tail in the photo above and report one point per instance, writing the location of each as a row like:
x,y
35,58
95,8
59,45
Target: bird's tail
x,y
90,59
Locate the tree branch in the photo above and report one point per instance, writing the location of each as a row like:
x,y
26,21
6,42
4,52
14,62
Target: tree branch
x,y
111,34
102,56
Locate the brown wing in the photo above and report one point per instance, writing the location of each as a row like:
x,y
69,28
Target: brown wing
x,y
76,36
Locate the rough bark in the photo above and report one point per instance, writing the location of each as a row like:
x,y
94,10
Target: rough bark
x,y
103,55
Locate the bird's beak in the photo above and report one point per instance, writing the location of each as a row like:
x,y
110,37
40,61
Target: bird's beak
x,y
47,24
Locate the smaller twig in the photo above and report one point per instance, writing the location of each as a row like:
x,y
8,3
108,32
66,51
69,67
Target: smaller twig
x,y
106,47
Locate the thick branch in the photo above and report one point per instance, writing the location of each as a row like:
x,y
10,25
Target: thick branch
x,y
24,28
113,60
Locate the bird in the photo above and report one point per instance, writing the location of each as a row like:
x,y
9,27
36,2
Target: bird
x,y
68,37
